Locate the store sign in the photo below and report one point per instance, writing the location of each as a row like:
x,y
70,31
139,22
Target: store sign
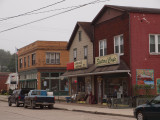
x,y
107,60
80,64
70,66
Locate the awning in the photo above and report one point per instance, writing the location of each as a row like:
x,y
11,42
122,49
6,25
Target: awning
x,y
94,70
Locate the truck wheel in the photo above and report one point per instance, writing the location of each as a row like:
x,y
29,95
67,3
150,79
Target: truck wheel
x,y
17,103
50,106
41,106
32,105
25,106
9,103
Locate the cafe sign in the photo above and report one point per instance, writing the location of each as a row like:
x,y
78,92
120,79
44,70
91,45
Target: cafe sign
x,y
107,60
80,64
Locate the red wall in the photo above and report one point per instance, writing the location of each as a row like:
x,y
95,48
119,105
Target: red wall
x,y
3,79
141,26
107,30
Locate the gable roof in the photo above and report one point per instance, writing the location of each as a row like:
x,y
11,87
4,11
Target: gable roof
x,y
86,26
126,9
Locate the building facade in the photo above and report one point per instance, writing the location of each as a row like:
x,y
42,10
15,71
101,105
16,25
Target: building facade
x,y
80,48
3,79
41,63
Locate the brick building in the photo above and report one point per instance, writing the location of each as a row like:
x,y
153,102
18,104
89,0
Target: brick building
x,y
3,79
41,63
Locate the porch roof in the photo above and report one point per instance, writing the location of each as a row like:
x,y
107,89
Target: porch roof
x,y
94,70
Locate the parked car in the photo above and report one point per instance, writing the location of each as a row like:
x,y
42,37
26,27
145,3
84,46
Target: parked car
x,y
39,98
17,97
150,110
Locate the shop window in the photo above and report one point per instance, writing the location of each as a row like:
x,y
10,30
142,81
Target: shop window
x,y
154,43
20,63
85,52
75,54
119,44
52,58
44,74
54,74
33,59
102,48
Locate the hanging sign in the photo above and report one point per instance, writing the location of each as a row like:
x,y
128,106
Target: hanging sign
x,y
107,60
80,64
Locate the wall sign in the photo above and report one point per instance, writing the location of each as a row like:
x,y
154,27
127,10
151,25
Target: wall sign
x,y
145,76
80,64
70,66
107,60
158,85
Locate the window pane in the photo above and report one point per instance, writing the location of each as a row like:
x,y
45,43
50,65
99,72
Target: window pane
x,y
85,52
57,58
121,40
105,51
152,43
122,48
116,41
116,49
101,44
52,58
101,52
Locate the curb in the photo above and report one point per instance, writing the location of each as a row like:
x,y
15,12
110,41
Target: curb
x,y
91,112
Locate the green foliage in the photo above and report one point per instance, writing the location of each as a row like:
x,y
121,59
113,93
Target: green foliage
x,y
146,90
7,61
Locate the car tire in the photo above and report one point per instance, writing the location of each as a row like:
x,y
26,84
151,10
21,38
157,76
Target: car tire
x,y
9,103
140,116
17,103
50,106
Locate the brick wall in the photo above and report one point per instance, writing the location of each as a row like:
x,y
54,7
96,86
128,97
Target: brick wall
x,y
3,79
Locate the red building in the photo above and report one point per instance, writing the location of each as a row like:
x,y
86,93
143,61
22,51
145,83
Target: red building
x,y
3,79
133,34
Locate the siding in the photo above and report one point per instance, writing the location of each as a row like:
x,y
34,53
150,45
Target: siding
x,y
85,41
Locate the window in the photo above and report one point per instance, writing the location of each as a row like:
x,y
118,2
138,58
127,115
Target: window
x,y
102,48
20,63
24,61
75,54
33,59
119,44
80,35
52,58
154,44
85,52
28,61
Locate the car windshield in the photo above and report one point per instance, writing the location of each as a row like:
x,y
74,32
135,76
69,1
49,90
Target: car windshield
x,y
42,93
156,100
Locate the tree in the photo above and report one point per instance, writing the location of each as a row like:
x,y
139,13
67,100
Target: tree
x,y
11,65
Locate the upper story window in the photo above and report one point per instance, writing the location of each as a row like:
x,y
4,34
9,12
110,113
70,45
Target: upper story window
x,y
28,61
102,47
20,63
119,44
24,61
154,43
75,54
80,35
33,59
52,58
85,52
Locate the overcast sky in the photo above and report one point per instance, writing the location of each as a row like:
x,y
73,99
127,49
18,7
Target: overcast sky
x,y
56,28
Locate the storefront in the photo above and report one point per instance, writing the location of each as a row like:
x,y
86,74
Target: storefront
x,y
51,81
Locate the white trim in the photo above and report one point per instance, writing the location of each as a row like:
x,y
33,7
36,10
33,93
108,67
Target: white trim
x,y
98,73
156,45
103,46
119,44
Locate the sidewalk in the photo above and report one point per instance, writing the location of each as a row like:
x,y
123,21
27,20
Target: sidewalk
x,y
94,109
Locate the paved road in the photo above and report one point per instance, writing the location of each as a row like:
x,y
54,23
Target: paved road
x,y
20,113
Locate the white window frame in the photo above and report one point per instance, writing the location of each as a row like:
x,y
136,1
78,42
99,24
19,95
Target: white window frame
x,y
104,41
75,54
85,52
156,45
119,41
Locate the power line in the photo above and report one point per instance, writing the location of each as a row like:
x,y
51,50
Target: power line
x,y
94,2
2,19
